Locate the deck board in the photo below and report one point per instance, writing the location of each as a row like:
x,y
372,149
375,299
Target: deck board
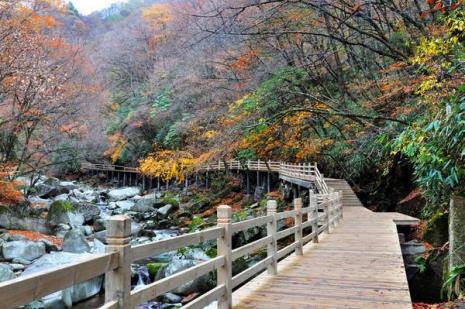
x,y
358,265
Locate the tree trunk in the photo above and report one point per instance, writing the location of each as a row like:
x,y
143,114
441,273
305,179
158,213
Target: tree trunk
x,y
456,231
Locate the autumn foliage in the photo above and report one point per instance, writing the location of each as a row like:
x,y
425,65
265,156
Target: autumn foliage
x,y
10,193
168,165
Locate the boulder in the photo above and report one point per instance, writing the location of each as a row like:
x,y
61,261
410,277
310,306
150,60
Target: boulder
x,y
171,298
97,247
123,194
86,230
61,197
143,205
67,185
62,212
17,267
437,229
13,220
37,202
125,205
75,242
46,191
197,285
23,249
21,261
49,246
166,210
6,272
150,196
61,230
82,291
52,181
99,225
89,211
75,293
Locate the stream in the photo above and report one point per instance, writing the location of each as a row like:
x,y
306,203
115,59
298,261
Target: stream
x,y
64,222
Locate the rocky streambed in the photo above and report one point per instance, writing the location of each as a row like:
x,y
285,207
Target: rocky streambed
x,y
64,222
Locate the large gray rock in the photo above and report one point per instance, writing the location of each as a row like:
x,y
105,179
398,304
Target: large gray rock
x,y
89,211
64,213
125,205
82,291
46,191
75,242
143,205
67,185
99,225
37,202
61,197
12,221
166,210
75,293
6,272
198,285
122,194
22,249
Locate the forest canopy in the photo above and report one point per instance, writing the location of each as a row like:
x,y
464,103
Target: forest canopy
x,y
360,87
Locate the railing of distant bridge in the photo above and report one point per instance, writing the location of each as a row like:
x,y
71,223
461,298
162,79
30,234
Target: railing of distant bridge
x,y
306,172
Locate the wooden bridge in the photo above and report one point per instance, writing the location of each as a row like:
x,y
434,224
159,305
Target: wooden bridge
x,y
336,254
302,175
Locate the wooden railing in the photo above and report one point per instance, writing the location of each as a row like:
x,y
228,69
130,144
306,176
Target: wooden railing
x,y
321,215
306,172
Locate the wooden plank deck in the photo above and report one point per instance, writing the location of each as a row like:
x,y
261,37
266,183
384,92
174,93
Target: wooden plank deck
x,y
358,265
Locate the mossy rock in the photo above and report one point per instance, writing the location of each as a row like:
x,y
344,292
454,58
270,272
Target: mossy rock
x,y
171,200
437,229
153,269
61,206
64,212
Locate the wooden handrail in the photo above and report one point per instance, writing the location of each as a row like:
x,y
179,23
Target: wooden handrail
x,y
25,289
306,172
116,264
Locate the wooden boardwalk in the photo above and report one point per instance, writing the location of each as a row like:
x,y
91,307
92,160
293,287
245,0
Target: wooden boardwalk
x,y
358,265
357,262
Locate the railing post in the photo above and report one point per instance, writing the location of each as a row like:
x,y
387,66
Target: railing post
x,y
326,209
224,273
118,281
258,173
332,212
341,205
298,226
271,229
314,207
268,179
337,208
